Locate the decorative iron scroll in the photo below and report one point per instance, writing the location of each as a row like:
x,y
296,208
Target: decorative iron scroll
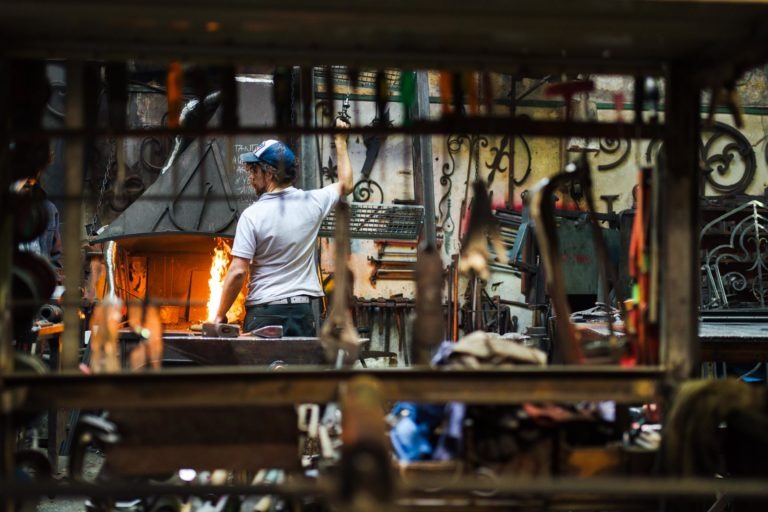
x,y
724,163
330,170
454,144
364,190
735,258
719,164
611,146
766,150
153,153
444,205
503,151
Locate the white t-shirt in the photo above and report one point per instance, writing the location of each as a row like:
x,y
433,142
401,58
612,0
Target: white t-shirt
x,y
277,234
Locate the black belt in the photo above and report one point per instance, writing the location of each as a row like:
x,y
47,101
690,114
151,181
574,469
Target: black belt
x,y
298,299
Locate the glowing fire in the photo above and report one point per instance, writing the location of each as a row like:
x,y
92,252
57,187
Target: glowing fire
x,y
219,266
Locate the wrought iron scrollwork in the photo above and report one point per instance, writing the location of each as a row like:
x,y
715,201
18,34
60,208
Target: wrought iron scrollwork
x,y
738,262
723,163
502,152
153,154
766,150
720,164
364,190
329,171
447,225
612,147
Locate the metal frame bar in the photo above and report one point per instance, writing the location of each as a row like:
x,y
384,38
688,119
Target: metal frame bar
x,y
504,485
489,125
248,386
678,258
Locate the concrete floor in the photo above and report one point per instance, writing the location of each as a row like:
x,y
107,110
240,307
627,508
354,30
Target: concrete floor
x,y
93,463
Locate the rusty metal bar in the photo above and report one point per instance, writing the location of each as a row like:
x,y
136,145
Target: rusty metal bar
x,y
424,181
73,215
630,488
489,125
255,386
678,257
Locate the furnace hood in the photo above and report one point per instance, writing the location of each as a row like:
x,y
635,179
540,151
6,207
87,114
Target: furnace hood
x,y
197,195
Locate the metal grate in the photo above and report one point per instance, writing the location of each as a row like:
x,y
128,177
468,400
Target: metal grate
x,y
366,79
379,221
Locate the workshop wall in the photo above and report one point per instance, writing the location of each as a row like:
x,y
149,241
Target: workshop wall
x,y
738,157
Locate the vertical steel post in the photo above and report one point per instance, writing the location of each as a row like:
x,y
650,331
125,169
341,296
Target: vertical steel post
x,y
308,148
6,258
73,216
679,231
423,180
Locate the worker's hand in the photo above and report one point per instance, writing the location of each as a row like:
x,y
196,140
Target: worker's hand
x,y
220,319
341,136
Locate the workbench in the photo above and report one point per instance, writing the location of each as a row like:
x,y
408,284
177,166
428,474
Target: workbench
x,y
244,350
734,342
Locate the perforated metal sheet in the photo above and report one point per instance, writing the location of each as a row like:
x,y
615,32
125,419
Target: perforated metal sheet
x,y
379,221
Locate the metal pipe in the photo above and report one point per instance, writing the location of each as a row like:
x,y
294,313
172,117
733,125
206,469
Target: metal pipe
x,y
423,158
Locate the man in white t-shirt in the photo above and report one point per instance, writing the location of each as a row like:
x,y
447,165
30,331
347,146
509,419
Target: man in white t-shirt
x,y
275,240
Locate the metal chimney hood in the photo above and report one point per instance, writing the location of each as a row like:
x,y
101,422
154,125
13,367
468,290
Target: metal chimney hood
x,y
197,195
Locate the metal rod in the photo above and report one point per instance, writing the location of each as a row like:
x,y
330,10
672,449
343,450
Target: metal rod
x,y
679,207
616,487
256,386
423,161
73,215
491,125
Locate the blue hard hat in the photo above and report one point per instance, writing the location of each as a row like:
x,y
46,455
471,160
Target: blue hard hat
x,y
271,152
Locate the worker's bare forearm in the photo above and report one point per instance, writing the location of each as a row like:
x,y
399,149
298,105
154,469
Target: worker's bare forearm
x,y
233,283
344,166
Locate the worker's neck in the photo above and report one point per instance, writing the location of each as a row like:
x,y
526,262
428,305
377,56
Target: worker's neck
x,y
276,187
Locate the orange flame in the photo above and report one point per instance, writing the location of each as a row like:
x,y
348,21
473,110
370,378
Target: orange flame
x,y
219,266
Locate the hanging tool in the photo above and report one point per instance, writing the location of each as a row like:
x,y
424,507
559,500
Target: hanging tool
x,y
446,92
728,97
344,112
373,144
338,336
482,229
382,94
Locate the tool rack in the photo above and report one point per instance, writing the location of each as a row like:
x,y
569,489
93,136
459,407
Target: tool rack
x,y
693,44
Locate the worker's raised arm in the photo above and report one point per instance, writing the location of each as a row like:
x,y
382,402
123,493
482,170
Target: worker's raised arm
x,y
343,164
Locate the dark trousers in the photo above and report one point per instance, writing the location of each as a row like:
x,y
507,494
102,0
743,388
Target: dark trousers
x,y
296,319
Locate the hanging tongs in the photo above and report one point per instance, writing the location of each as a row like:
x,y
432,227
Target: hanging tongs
x,y
571,349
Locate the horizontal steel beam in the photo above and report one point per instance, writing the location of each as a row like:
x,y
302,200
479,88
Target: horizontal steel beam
x,y
486,125
633,487
245,386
